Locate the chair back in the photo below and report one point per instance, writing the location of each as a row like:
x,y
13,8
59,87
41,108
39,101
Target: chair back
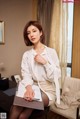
x,y
71,84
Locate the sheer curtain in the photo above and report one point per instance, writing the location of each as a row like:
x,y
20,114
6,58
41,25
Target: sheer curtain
x,y
64,39
53,15
59,34
44,14
34,9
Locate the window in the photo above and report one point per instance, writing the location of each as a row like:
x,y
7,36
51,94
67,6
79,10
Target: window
x,y
70,35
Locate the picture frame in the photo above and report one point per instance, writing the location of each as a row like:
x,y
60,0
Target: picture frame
x,y
1,32
16,78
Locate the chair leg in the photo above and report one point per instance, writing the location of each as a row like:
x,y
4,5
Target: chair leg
x,y
46,116
77,113
46,112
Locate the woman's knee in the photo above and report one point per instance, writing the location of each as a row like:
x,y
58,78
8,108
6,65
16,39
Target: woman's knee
x,y
14,112
17,108
22,116
25,114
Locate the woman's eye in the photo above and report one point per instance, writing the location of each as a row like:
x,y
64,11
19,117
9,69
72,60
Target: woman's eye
x,y
28,33
31,32
34,31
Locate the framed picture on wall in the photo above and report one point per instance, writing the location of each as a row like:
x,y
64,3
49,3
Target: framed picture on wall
x,y
1,32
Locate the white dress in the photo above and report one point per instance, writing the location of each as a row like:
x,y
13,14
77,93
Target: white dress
x,y
46,75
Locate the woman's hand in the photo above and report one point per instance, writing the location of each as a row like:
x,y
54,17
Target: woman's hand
x,y
29,94
38,58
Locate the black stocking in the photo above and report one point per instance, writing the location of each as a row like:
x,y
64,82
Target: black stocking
x,y
45,99
25,114
18,112
15,112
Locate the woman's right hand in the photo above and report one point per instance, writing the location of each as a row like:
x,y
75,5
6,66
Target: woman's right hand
x,y
29,94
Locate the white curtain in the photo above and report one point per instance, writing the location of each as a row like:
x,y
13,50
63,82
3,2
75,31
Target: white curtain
x,y
53,15
64,39
59,34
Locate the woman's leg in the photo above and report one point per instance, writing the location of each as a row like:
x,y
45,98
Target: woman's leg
x,y
45,99
18,112
15,112
25,114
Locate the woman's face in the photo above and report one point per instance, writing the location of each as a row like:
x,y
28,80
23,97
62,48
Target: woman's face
x,y
34,34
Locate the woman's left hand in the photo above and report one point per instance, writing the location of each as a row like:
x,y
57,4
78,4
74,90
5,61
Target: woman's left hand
x,y
38,58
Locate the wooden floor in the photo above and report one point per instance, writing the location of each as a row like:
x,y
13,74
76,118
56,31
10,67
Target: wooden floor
x,y
50,115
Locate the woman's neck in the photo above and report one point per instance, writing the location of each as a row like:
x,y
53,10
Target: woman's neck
x,y
39,48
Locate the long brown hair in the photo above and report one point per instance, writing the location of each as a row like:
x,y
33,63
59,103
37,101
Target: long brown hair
x,y
36,24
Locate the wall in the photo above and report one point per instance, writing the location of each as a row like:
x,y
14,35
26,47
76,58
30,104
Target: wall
x,y
76,42
15,14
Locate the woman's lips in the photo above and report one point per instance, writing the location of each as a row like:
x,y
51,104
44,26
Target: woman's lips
x,y
33,39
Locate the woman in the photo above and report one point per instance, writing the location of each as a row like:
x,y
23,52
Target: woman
x,y
40,64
